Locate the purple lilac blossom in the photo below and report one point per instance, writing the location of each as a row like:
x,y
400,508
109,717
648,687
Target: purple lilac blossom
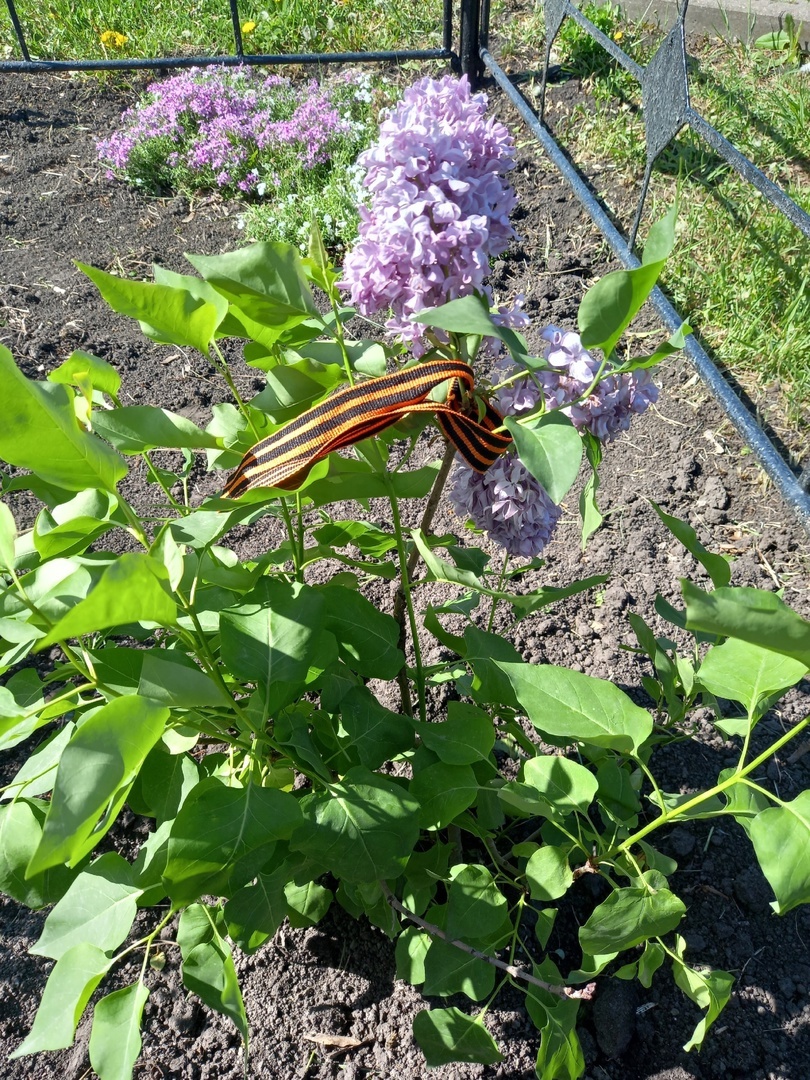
x,y
439,207
507,501
609,407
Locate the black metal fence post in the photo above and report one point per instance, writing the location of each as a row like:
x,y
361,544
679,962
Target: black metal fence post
x,y
470,44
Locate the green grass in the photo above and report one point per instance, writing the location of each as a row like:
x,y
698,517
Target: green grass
x,y
61,30
740,272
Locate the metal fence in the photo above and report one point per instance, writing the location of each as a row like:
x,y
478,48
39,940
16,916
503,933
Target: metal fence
x,y
239,56
667,110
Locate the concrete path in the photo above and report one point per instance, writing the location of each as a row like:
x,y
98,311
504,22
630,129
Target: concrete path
x,y
743,19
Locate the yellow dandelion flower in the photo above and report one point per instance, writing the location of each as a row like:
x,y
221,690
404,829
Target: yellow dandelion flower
x,y
113,39
248,27
618,35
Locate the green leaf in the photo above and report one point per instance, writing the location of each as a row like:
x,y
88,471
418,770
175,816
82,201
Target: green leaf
x,y
20,833
293,388
37,774
476,908
115,1038
307,903
8,534
523,603
69,988
200,290
444,792
465,737
610,305
629,917
710,990
617,796
100,906
411,949
363,828
754,615
471,315
131,589
22,707
367,637
548,873
673,344
377,734
449,970
774,41
350,479
40,432
484,653
82,366
168,315
275,632
96,770
266,288
546,917
164,783
781,839
567,706
649,962
590,513
72,526
744,803
257,910
137,428
208,967
565,785
371,540
366,356
739,671
551,449
560,1055
223,835
446,1035
171,678
717,567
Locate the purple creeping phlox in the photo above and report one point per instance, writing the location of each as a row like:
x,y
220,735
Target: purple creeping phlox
x,y
438,209
507,501
217,127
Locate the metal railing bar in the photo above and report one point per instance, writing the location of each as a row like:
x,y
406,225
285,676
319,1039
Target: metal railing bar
x,y
18,30
745,424
740,163
236,22
608,44
447,26
268,59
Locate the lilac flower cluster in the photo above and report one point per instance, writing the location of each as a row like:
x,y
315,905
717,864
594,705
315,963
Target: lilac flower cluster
x,y
225,128
439,207
608,408
507,501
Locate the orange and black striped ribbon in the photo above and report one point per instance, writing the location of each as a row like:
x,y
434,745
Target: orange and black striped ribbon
x,y
284,458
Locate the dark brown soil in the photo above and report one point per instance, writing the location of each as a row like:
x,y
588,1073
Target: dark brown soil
x,y
56,207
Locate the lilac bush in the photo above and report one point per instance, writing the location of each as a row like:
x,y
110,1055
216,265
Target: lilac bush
x,y
438,206
507,501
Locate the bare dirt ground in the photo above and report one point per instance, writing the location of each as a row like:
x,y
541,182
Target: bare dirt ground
x,y
339,978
